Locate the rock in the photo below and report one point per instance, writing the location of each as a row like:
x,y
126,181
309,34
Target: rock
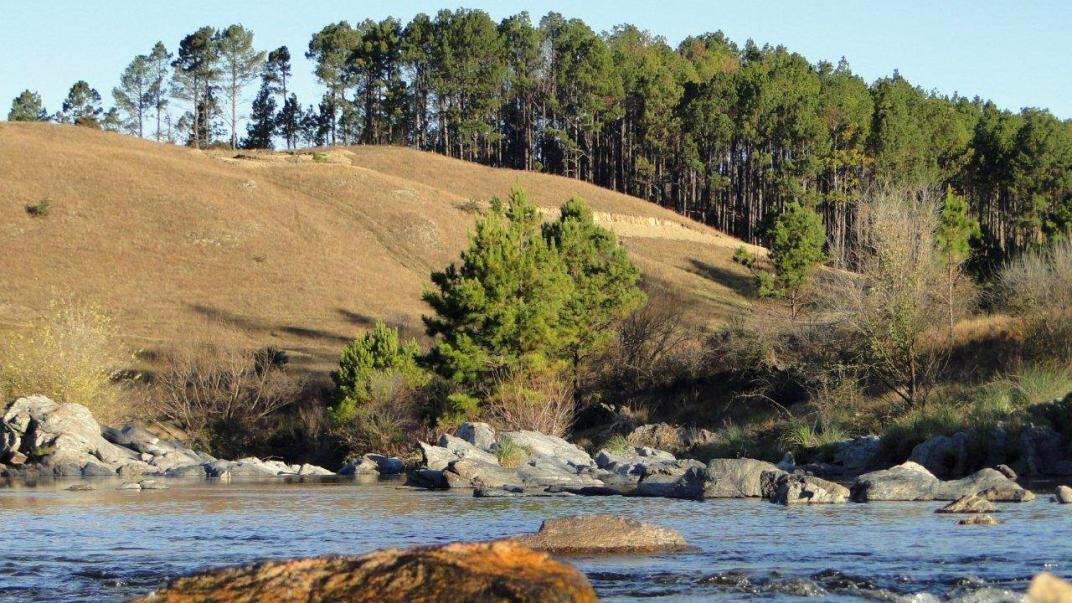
x,y
16,458
547,472
910,481
768,483
307,469
436,457
97,470
1047,588
857,453
427,478
247,467
942,455
80,488
978,520
135,468
480,435
659,435
688,485
1063,495
474,473
58,435
188,472
517,492
1006,471
788,462
588,534
478,572
464,450
1041,449
129,486
973,503
1007,494
552,446
792,489
373,464
638,462
152,484
735,478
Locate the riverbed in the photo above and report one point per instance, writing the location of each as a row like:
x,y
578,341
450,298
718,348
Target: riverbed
x,y
108,545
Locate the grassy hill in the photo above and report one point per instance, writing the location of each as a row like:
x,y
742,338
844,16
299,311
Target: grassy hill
x,y
296,251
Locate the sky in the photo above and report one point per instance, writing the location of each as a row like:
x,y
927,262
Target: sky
x,y
1014,53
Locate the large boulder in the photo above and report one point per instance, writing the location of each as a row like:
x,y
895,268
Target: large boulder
x,y
796,489
547,472
689,484
588,534
552,446
477,572
1063,495
857,453
480,435
911,481
1047,588
635,461
464,450
60,436
735,478
373,464
475,473
436,458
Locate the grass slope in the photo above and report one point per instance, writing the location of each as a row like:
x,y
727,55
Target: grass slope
x,y
295,252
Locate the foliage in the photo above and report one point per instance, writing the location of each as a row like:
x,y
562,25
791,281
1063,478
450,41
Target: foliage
x,y
378,353
542,402
389,419
70,354
508,453
1036,287
796,248
617,444
39,209
27,106
82,106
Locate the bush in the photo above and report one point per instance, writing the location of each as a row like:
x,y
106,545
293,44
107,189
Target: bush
x,y
542,403
70,354
617,444
508,453
1040,383
39,209
319,157
223,394
1037,288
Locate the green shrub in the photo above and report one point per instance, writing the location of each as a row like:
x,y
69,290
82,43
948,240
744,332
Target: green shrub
x,y
39,209
617,444
319,157
375,353
1041,383
508,453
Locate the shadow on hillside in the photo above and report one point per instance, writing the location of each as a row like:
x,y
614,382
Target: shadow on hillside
x,y
741,283
355,318
255,326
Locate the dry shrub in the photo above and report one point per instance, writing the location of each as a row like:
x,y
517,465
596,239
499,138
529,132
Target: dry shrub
x,y
542,403
223,393
70,354
1037,288
389,421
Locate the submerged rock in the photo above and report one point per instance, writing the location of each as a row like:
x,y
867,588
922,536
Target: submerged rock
x,y
978,520
479,572
736,478
587,534
793,489
973,503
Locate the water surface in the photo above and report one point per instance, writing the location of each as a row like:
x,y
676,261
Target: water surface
x,y
108,545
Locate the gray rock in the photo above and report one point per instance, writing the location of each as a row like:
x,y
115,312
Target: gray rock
x,y
307,469
152,484
464,450
552,446
857,453
1041,448
590,534
427,478
480,435
97,470
735,478
543,472
1007,494
688,485
910,481
942,455
517,492
135,468
1063,495
474,473
435,457
794,489
80,488
1006,471
768,483
638,462
373,464
129,486
58,434
973,503
188,472
984,520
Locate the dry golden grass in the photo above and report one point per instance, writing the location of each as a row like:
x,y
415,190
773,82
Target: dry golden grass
x,y
298,254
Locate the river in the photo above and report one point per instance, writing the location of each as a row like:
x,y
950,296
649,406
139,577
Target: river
x,y
108,545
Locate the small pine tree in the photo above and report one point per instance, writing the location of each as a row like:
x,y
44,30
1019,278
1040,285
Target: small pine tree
x,y
796,248
956,230
379,350
27,106
262,121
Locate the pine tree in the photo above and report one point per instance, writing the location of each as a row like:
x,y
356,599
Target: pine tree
x,y
134,95
262,121
378,351
196,74
82,105
288,123
240,65
27,106
277,72
159,64
956,230
796,248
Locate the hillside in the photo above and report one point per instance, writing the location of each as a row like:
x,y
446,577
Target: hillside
x,y
298,253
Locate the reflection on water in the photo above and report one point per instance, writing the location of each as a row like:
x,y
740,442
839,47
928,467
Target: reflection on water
x,y
109,544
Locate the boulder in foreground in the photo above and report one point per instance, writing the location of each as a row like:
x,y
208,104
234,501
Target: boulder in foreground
x,y
478,572
586,534
1047,588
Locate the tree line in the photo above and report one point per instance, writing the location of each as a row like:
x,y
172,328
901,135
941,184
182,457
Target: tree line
x,y
728,135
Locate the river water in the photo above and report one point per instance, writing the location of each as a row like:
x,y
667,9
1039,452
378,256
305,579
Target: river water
x,y
108,545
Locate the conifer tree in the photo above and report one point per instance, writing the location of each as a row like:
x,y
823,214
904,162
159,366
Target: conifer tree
x,y
196,74
955,232
27,106
796,248
240,64
159,65
262,120
82,105
134,95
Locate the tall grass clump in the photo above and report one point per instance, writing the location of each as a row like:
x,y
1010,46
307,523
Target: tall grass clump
x,y
69,354
1041,383
1037,288
508,453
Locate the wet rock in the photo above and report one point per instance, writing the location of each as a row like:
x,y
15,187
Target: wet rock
x,y
857,453
436,457
911,481
587,534
80,488
978,520
735,478
464,450
373,464
427,478
1007,494
1041,448
480,435
474,473
1047,588
972,503
188,472
688,485
1063,494
942,455
793,489
552,446
517,492
478,572
768,483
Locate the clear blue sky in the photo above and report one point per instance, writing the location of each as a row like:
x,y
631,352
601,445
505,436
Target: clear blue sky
x,y
1015,53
